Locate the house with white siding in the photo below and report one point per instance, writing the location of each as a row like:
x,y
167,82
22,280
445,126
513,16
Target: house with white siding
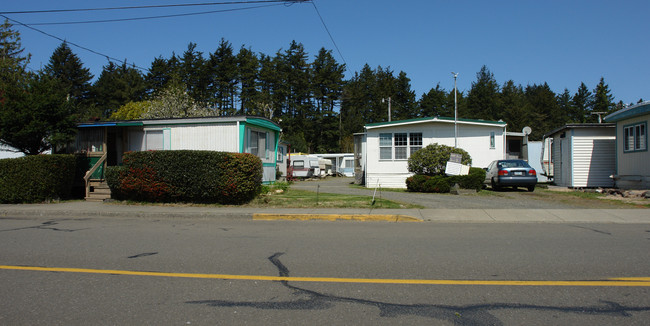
x,y
632,156
105,142
583,154
388,145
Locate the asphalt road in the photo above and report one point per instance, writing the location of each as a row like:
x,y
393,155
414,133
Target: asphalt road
x,y
216,273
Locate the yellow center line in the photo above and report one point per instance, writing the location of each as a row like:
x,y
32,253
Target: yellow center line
x,y
629,282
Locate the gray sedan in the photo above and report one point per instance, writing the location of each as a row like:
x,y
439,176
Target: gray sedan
x,y
510,173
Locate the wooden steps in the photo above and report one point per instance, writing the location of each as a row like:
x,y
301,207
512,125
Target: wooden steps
x,y
98,191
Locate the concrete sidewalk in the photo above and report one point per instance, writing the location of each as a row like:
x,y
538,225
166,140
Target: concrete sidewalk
x,y
79,209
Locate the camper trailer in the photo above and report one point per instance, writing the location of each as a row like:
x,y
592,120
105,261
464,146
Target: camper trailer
x,y
305,166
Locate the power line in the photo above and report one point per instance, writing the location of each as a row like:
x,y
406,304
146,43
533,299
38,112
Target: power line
x,y
71,43
147,7
150,17
313,2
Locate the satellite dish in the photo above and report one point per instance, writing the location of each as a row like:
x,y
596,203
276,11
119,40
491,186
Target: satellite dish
x,y
526,130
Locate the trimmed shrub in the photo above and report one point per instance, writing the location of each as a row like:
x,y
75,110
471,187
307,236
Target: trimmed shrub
x,y
474,180
437,184
187,176
432,159
37,178
416,183
443,184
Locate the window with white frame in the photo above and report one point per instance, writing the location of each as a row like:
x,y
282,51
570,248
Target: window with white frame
x,y
280,158
415,142
385,146
492,140
635,137
257,144
399,146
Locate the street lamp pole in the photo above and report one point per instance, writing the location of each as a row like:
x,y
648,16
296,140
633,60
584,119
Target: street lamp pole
x,y
455,111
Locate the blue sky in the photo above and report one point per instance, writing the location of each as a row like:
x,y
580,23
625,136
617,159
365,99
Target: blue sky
x,y
562,43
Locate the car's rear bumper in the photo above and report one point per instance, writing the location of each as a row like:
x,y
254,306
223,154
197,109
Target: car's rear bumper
x,y
516,181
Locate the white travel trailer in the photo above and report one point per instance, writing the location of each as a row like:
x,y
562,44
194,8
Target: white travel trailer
x,y
304,166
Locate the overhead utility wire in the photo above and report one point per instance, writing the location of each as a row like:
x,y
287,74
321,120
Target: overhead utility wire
x,y
151,17
313,2
147,7
71,43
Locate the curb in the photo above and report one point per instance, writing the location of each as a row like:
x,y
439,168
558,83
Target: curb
x,y
335,217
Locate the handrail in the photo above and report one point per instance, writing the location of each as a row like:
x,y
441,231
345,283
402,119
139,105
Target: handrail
x,y
92,170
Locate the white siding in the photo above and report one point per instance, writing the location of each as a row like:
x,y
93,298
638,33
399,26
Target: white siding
x,y
222,137
584,157
560,146
593,161
475,139
633,167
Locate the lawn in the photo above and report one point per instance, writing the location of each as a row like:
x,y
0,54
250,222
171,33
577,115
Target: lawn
x,y
293,198
575,198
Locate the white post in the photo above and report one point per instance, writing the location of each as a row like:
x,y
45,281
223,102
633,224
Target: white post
x,y
455,112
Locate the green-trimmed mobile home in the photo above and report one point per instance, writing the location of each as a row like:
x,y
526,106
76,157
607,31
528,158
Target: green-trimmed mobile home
x,y
105,142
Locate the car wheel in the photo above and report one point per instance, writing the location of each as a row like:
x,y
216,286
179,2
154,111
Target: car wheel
x,y
531,188
494,186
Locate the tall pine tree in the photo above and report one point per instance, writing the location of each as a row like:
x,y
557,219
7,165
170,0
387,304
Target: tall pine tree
x,y
68,69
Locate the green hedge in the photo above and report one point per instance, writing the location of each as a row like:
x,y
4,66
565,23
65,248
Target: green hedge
x,y
443,184
37,178
186,176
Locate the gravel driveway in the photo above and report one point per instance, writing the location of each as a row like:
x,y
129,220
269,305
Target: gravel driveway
x,y
502,199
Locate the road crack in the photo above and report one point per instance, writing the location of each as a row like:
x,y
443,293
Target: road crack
x,y
479,314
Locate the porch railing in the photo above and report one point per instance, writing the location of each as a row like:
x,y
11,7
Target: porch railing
x,y
92,170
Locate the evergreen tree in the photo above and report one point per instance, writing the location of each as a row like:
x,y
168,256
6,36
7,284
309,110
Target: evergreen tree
x,y
603,100
565,105
68,69
434,103
298,112
223,77
514,106
483,98
248,66
38,117
160,73
34,113
403,102
544,110
11,50
327,85
265,103
194,74
580,105
116,86
357,101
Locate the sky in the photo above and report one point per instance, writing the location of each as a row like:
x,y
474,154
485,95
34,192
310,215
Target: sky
x,y
562,43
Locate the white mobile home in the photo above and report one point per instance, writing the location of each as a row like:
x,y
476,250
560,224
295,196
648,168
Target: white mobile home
x,y
632,156
582,155
388,145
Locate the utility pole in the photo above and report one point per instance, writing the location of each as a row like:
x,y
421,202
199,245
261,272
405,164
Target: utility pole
x,y
455,111
382,101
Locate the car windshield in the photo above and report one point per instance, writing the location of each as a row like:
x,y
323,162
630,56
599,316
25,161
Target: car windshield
x,y
513,164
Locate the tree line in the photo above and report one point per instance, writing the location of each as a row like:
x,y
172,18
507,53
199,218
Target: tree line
x,y
317,107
